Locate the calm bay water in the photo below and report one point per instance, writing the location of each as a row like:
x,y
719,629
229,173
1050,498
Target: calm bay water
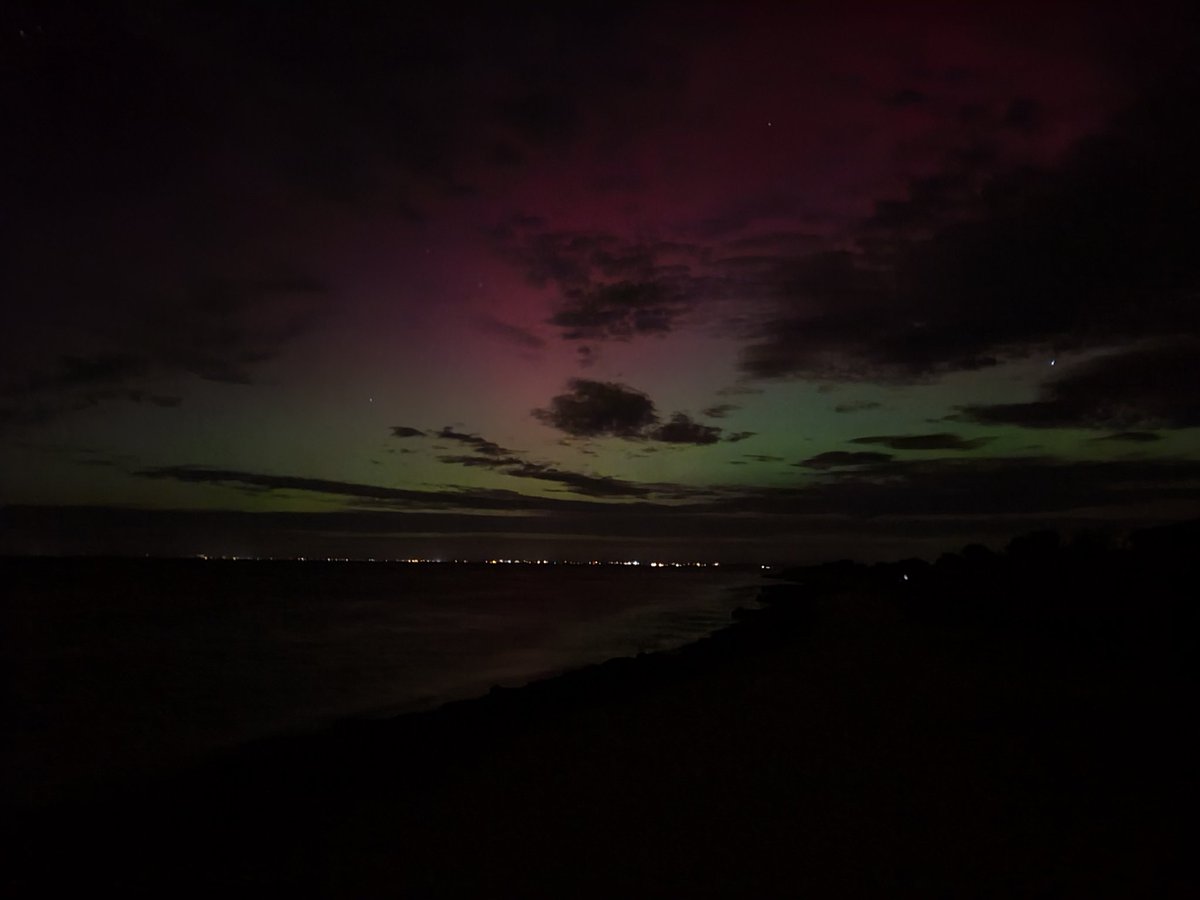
x,y
116,669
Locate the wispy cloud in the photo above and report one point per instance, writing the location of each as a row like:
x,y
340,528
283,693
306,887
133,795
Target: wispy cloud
x,y
939,441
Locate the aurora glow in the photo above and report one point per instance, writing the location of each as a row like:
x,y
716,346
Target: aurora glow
x,y
753,282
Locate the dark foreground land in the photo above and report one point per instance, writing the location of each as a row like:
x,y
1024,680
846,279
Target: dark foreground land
x,y
994,725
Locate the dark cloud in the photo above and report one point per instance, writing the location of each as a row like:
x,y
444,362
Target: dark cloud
x,y
965,486
950,498
790,242
737,436
226,328
739,390
734,218
165,401
833,293
479,462
173,162
597,408
905,97
221,330
564,259
880,488
270,482
958,486
681,429
575,261
609,287
838,458
475,442
1154,386
720,411
856,406
78,383
96,371
447,499
577,482
405,431
940,441
1025,114
511,333
987,260
1132,437
619,310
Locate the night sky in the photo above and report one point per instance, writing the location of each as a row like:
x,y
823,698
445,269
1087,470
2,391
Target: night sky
x,y
672,281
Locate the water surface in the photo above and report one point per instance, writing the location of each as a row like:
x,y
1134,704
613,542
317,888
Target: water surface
x,y
121,668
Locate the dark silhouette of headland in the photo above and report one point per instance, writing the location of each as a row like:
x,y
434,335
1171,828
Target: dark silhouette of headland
x,y
1015,723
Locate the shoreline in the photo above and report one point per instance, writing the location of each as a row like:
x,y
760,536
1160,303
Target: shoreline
x,y
889,741
110,686
498,698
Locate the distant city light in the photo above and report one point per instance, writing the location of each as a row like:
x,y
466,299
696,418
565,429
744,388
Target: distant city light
x,y
425,561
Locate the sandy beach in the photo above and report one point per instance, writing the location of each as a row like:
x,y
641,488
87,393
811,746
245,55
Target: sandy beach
x,y
862,735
